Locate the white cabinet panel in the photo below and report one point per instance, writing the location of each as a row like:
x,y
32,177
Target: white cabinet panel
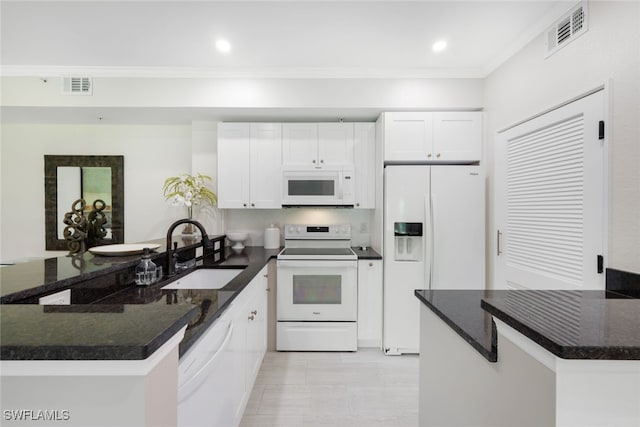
x,y
317,144
335,143
408,136
433,137
364,164
250,321
457,136
233,165
299,144
370,303
249,165
266,176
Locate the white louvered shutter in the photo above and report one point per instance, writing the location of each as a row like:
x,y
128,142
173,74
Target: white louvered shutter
x,y
550,205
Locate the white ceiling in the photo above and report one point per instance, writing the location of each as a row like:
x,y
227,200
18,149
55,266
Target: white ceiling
x,y
268,38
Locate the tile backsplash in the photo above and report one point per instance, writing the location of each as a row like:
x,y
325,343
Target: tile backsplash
x,y
254,221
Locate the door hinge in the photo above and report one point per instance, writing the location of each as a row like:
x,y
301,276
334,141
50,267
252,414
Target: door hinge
x,y
600,264
601,129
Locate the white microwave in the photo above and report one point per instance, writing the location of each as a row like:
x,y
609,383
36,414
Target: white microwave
x,y
313,187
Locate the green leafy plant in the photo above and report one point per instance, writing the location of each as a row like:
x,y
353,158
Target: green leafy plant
x,y
189,191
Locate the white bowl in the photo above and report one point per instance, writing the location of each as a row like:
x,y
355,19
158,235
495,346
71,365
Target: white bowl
x,y
237,238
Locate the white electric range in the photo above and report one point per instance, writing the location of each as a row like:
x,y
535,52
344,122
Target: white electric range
x,y
317,302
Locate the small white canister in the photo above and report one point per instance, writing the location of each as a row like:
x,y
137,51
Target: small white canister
x,y
272,237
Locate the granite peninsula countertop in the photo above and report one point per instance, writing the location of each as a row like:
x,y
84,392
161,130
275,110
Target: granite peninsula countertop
x,y
570,324
127,323
460,309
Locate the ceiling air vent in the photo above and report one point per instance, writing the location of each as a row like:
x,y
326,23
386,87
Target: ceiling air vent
x,y
77,86
566,29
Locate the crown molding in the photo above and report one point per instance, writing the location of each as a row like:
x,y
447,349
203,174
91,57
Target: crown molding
x,y
244,73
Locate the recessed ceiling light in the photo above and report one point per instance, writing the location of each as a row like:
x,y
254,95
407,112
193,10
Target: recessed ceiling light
x,y
439,46
223,45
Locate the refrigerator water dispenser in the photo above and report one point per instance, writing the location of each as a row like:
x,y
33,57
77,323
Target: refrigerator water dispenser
x,y
408,241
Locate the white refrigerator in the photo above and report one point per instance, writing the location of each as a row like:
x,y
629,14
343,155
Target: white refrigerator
x,y
434,238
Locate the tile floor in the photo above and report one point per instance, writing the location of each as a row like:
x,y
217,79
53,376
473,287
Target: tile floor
x,y
364,388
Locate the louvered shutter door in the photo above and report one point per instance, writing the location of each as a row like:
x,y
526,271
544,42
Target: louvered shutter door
x,y
550,199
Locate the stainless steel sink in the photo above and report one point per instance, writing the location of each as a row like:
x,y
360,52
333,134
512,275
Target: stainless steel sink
x,y
205,278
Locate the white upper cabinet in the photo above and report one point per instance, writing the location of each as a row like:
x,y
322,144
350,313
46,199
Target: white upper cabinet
x,y
408,136
335,143
317,144
234,169
433,137
300,144
364,165
266,170
249,165
457,136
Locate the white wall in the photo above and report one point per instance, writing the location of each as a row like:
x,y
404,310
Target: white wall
x,y
528,84
109,92
151,154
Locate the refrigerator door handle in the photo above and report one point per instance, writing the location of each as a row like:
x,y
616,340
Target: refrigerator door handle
x,y
432,220
428,236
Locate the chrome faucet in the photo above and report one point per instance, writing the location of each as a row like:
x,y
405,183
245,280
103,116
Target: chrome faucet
x,y
207,245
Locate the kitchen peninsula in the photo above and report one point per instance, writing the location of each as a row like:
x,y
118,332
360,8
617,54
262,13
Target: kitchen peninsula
x,y
531,358
111,356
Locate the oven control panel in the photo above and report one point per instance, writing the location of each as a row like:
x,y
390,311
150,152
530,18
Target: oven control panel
x,y
315,231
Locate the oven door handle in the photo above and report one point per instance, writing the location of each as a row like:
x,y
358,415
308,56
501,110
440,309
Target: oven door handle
x,y
316,264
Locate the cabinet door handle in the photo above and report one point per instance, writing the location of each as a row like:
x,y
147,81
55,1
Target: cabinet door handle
x,y
266,275
498,238
244,204
429,155
268,289
253,205
254,312
438,155
370,264
314,161
321,161
251,317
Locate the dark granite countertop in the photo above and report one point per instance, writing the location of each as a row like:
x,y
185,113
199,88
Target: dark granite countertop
x,y
460,309
570,324
38,277
366,253
127,323
573,324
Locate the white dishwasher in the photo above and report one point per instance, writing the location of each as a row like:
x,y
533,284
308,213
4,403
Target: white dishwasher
x,y
205,373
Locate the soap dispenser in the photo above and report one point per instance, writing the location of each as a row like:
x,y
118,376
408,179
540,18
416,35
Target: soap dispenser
x,y
146,270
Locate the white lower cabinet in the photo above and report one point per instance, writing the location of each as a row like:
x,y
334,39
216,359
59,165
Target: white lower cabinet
x,y
233,349
370,303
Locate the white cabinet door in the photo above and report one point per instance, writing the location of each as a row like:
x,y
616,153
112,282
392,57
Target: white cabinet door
x,y
457,136
256,327
335,144
265,169
233,165
317,144
408,136
300,144
370,303
249,159
550,200
250,323
364,165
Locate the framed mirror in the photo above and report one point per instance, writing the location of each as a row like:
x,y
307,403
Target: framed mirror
x,y
68,178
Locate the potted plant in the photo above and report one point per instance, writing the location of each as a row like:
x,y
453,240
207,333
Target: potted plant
x,y
189,191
